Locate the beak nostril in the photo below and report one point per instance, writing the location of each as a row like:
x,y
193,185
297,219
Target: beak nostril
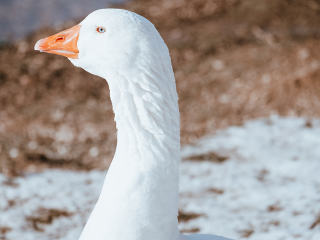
x,y
59,39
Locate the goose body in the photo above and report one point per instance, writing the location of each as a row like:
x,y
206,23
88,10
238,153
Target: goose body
x,y
139,199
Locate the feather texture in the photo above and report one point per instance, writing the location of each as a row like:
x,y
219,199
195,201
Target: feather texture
x,y
139,199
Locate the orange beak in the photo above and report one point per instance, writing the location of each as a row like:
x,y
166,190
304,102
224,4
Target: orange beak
x,y
63,43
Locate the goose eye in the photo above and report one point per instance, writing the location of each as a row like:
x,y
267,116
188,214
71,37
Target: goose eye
x,y
101,30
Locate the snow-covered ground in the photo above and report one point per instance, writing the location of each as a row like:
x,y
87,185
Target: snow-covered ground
x,y
268,188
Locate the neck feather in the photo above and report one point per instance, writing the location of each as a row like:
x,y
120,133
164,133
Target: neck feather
x,y
147,117
139,200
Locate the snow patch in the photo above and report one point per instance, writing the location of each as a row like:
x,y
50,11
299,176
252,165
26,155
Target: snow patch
x,y
268,188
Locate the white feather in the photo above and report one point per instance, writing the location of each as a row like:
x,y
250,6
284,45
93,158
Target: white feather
x,y
139,199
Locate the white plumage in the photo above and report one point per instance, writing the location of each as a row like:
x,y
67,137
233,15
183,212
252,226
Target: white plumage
x,y
139,199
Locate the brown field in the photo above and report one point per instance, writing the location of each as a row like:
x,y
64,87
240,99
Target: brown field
x,y
234,60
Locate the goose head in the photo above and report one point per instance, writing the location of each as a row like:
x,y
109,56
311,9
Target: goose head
x,y
106,41
125,49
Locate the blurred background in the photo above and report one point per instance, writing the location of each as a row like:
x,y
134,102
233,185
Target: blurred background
x,y
245,69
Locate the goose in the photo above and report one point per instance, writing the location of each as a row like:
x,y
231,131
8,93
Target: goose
x,y
139,198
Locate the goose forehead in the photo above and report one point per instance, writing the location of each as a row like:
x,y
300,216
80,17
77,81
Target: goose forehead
x,y
114,17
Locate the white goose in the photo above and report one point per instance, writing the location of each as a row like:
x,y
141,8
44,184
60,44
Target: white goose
x,y
139,199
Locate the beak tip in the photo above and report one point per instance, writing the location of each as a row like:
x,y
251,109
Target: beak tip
x,y
37,46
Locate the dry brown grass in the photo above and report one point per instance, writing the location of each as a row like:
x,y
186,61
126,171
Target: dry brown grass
x,y
234,60
185,217
45,216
